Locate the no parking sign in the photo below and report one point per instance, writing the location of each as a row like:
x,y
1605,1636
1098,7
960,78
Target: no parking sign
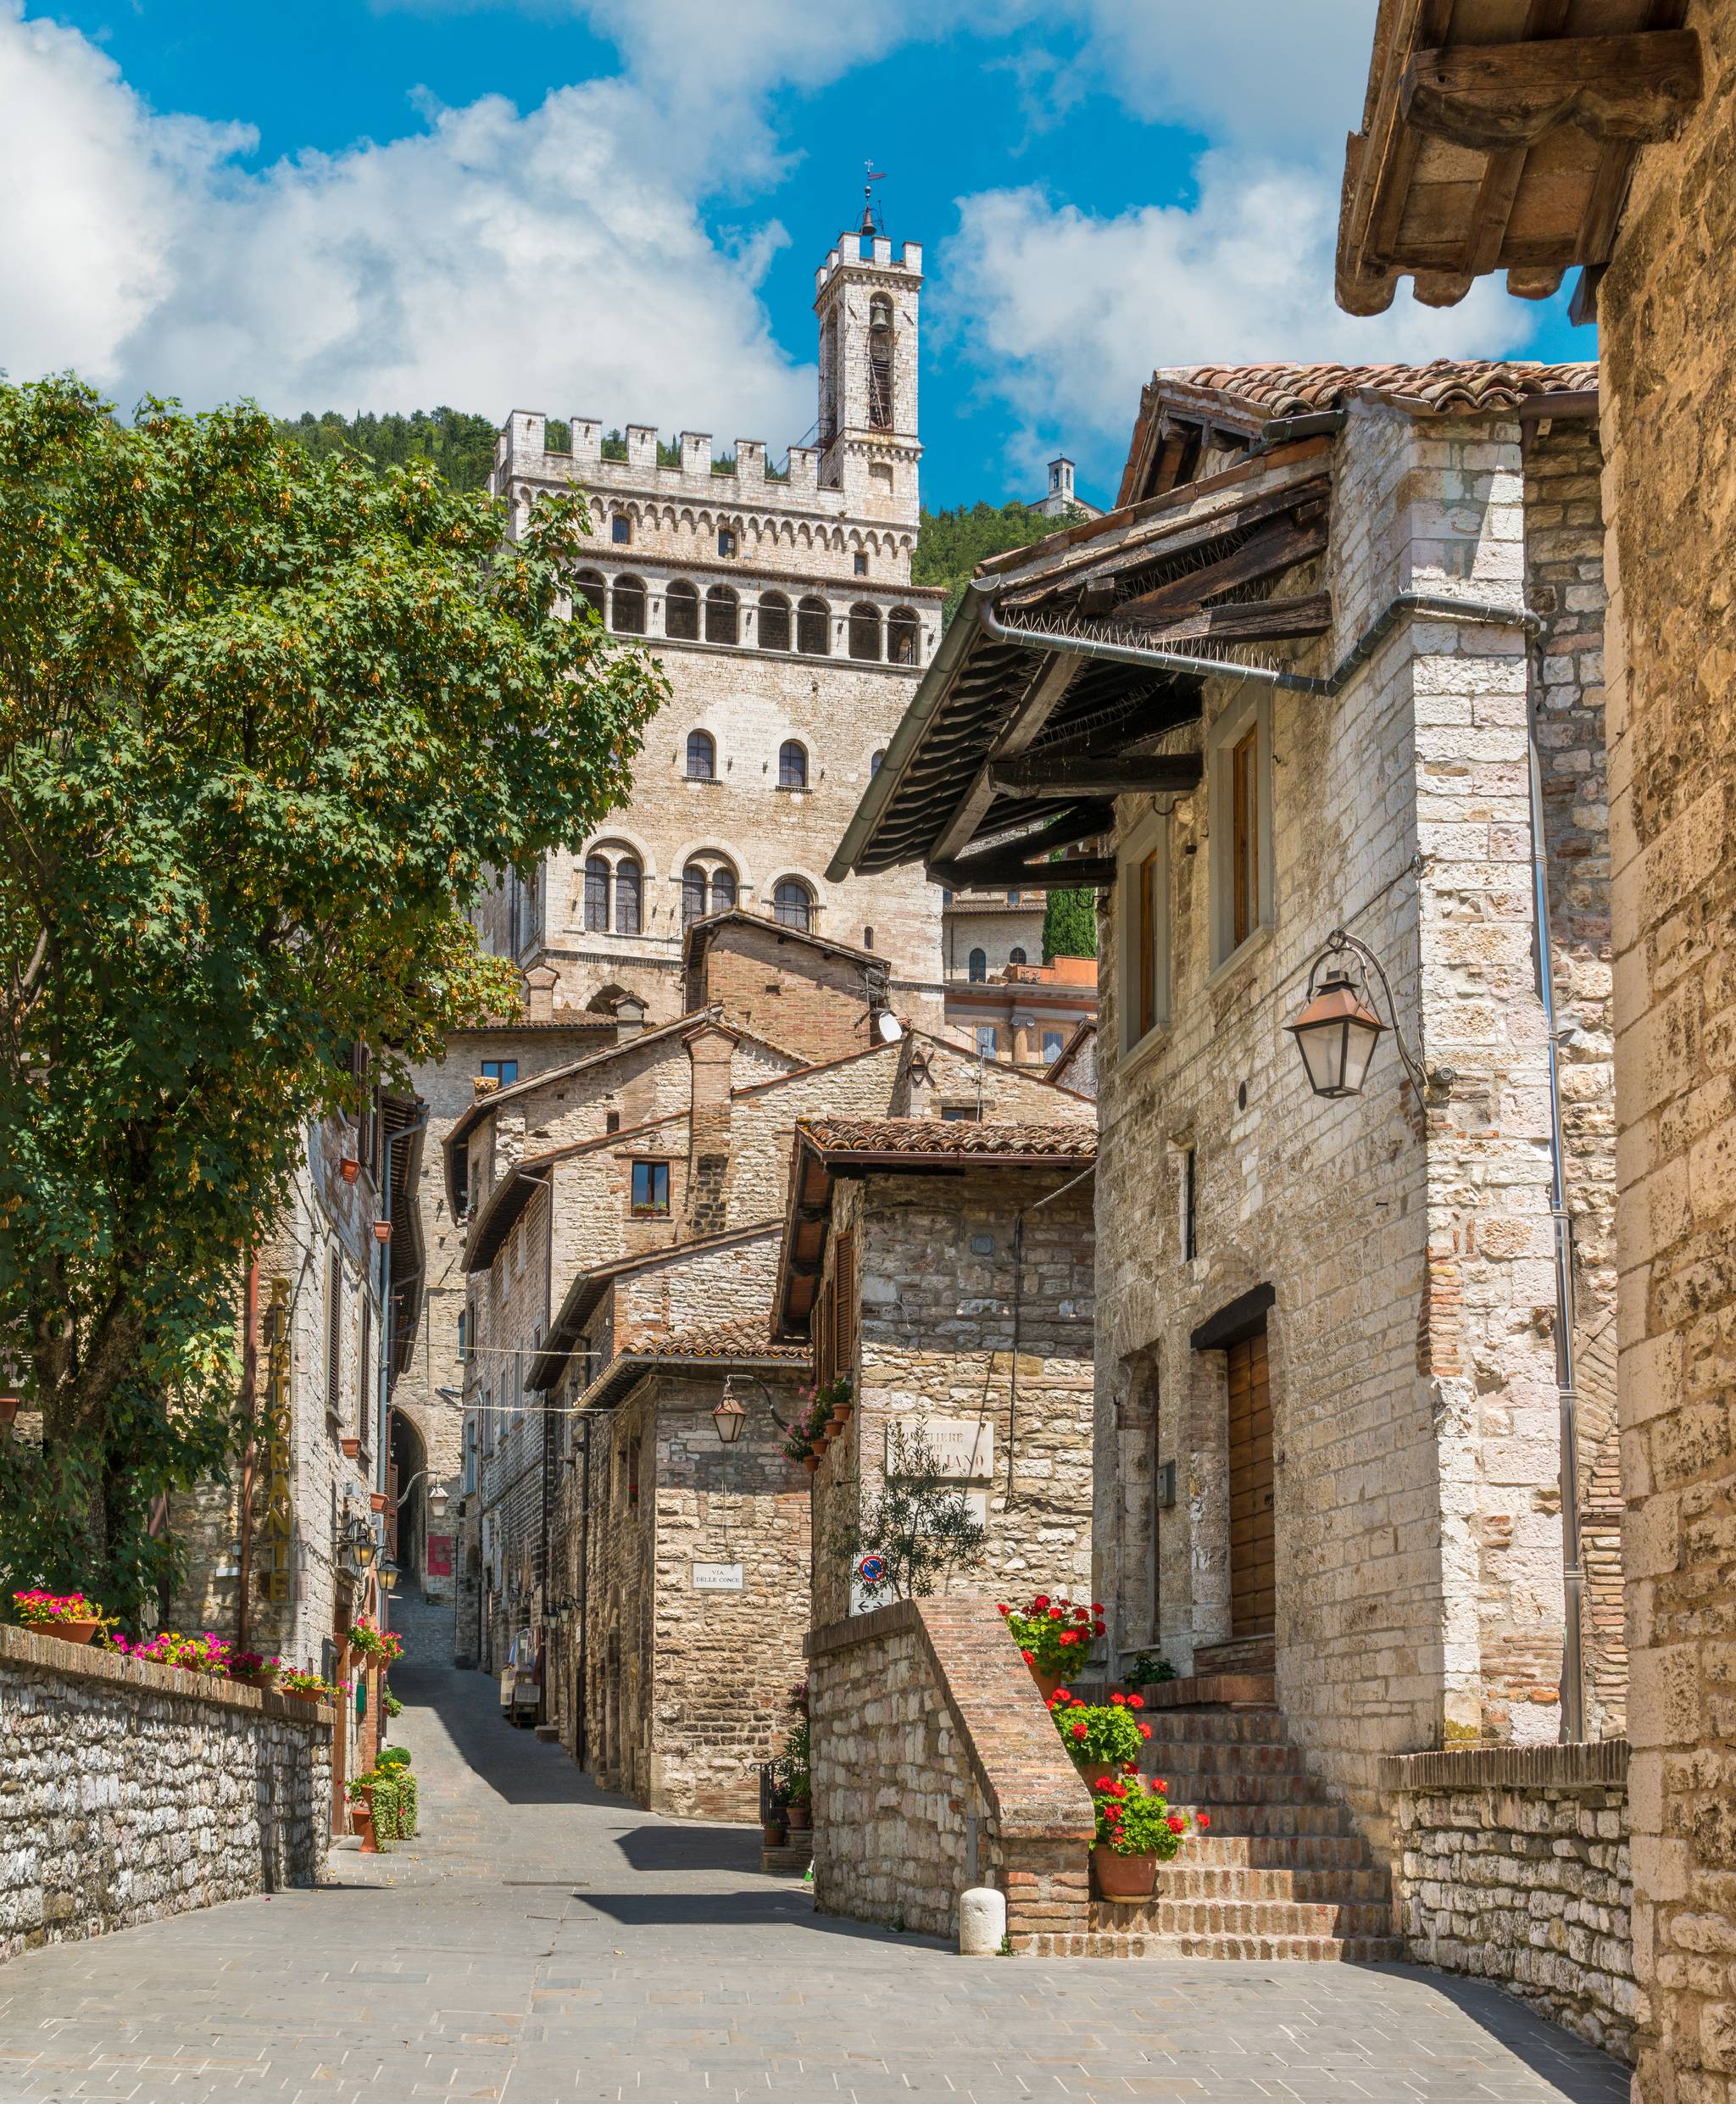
x,y
871,1569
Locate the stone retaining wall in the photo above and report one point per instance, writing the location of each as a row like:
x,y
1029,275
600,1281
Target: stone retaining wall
x,y
1513,1867
924,1717
129,1790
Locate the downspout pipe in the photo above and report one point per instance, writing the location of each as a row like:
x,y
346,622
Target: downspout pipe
x,y
1425,605
1566,1386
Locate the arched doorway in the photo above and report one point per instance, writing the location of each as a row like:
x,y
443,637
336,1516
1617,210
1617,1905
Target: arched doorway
x,y
406,1522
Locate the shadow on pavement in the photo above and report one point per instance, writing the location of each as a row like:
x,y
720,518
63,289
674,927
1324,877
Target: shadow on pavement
x,y
739,1910
1576,2071
691,1846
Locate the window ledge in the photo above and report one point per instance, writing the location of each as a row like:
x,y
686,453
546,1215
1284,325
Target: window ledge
x,y
1245,954
792,788
1146,1049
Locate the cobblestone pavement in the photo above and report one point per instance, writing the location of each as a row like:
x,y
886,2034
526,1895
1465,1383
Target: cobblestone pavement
x,y
544,1942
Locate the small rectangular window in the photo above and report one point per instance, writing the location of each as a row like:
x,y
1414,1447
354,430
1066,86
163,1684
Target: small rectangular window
x,y
1053,1040
1244,838
620,530
988,1040
1190,1231
1142,930
505,1072
611,1120
650,1188
861,564
960,1113
725,541
1239,787
464,1335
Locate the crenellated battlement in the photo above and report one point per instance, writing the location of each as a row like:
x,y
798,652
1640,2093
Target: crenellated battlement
x,y
874,250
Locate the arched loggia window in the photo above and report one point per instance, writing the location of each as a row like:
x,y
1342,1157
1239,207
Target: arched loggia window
x,y
681,612
814,628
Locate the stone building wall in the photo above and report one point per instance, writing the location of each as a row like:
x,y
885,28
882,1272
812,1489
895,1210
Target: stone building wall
x,y
936,1768
1564,574
135,1790
935,1344
1418,1538
1668,385
1513,1867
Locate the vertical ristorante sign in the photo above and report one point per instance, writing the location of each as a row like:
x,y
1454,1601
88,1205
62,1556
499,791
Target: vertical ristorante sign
x,y
277,1530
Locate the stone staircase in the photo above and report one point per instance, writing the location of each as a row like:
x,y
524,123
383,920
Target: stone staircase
x,y
1281,1873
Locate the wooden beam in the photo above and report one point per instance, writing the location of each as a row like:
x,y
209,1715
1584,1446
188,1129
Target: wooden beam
x,y
1257,621
1100,775
996,872
1052,681
1494,97
1278,546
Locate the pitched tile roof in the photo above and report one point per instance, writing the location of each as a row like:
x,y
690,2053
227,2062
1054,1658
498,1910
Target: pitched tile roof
x,y
747,1337
945,1138
1445,383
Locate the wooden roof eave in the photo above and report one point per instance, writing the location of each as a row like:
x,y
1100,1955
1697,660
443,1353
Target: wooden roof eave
x,y
1510,146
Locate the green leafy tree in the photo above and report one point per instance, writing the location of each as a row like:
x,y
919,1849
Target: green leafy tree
x,y
915,1520
266,719
1069,924
950,544
457,446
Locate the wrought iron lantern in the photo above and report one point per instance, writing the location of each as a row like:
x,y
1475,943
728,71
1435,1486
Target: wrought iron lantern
x,y
730,1415
1338,1030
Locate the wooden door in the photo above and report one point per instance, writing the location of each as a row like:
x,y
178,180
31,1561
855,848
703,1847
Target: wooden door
x,y
1253,1533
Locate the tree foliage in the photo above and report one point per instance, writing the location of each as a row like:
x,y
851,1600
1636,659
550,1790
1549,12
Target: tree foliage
x,y
1069,924
460,448
266,718
950,544
915,1520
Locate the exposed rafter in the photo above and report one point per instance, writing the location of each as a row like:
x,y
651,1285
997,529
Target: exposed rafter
x,y
1101,774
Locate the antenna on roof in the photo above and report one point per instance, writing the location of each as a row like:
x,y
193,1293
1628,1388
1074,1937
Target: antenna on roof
x,y
870,211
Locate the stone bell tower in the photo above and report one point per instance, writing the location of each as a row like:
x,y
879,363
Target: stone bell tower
x,y
867,301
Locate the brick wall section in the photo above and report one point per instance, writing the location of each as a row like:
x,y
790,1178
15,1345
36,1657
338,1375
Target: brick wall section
x,y
1513,1867
134,1790
1669,385
923,1716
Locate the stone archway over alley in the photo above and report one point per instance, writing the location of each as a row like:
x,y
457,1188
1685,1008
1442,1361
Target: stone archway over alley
x,y
545,1940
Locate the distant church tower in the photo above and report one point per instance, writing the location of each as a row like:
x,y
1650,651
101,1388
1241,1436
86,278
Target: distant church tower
x,y
867,302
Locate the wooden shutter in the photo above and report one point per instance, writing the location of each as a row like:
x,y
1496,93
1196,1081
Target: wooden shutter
x,y
844,1296
1244,837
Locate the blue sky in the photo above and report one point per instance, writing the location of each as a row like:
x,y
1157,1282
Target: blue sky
x,y
616,207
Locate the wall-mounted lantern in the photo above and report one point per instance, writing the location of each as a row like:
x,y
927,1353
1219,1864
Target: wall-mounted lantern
x,y
1338,1030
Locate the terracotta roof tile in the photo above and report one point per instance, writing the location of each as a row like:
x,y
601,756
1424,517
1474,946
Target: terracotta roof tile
x,y
931,1137
747,1337
1445,383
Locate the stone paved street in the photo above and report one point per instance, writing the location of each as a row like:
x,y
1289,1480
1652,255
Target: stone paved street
x,y
544,1941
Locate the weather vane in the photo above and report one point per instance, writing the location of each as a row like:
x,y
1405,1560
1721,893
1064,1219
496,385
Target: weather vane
x,y
871,217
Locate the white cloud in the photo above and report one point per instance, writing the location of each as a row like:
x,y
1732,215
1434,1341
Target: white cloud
x,y
1065,315
553,260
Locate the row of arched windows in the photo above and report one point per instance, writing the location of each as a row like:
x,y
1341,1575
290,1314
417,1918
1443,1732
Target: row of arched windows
x,y
979,962
614,894
806,624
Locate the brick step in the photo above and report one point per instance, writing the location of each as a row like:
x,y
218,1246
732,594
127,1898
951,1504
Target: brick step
x,y
1247,1690
1109,1942
1277,1852
1189,1787
1231,1817
1217,1726
1237,1881
1165,1917
1191,1756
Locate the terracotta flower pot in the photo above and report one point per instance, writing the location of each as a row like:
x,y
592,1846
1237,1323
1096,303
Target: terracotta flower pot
x,y
376,1500
71,1632
1126,1879
811,1463
774,1832
348,1168
1046,1683
801,1819
351,1447
361,1817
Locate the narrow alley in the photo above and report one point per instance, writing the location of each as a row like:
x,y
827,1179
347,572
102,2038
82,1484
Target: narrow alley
x,y
545,1940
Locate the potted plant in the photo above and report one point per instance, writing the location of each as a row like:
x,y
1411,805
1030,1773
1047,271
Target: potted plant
x,y
361,1794
69,1616
367,1637
1136,1831
1054,1638
1146,1669
775,1830
1100,1734
351,1447
306,1687
254,1668
348,1167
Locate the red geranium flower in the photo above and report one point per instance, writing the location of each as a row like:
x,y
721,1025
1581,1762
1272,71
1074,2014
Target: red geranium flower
x,y
1160,1786
1041,1601
1130,1767
1101,1627
1097,1606
1146,1731
1067,1637
1003,1608
1202,1819
1135,1701
1079,1731
1061,1696
1118,1699
1175,1822
1029,1657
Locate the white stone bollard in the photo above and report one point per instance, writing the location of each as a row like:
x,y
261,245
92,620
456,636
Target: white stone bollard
x,y
983,1922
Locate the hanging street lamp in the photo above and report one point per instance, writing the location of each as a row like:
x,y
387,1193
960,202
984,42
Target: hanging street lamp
x,y
731,1414
1338,1030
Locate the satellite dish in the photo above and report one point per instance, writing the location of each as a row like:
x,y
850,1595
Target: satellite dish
x,y
890,1030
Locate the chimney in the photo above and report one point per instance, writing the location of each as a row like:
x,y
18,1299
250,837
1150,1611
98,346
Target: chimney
x,y
629,1018
711,1050
539,993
